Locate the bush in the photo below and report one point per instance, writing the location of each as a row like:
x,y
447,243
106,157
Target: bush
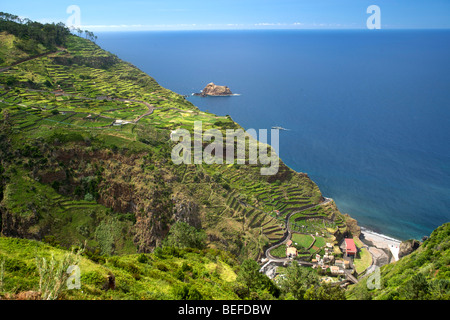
x,y
53,274
93,278
88,197
161,266
142,258
186,292
183,235
186,267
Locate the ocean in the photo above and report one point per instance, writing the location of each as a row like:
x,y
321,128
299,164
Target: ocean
x,y
368,110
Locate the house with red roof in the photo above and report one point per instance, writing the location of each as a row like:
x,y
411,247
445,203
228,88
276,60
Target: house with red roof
x,y
350,247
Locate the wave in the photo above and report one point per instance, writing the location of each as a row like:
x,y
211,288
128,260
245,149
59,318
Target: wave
x,y
367,231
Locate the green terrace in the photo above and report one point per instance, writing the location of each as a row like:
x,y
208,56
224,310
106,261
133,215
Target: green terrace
x,y
317,219
78,96
225,210
307,246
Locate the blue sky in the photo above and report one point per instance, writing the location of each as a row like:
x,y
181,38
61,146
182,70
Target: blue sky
x,y
120,15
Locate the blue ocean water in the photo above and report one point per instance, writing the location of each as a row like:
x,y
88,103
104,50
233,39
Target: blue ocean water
x,y
368,111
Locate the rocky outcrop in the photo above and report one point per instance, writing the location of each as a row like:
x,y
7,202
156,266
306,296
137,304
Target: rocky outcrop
x,y
407,247
214,90
186,211
20,226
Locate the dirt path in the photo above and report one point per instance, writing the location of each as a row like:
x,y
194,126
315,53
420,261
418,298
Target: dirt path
x,y
3,69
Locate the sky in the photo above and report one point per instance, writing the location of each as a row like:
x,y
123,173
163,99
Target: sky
x,y
121,15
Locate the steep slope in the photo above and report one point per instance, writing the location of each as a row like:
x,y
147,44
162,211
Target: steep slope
x,y
165,274
86,157
424,274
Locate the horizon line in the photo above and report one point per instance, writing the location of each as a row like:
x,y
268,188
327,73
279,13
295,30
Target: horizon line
x,y
118,29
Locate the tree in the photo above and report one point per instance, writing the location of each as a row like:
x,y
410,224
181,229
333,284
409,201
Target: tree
x,y
326,291
31,32
186,292
298,280
255,281
416,288
249,274
5,136
183,235
440,289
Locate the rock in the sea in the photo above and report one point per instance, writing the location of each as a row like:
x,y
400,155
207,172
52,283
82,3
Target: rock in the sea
x,y
408,247
214,90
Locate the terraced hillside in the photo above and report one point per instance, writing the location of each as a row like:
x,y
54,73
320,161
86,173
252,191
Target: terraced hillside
x,y
88,144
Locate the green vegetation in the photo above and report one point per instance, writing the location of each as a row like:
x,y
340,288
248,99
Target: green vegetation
x,y
422,275
165,274
183,235
363,259
302,283
85,163
72,176
22,38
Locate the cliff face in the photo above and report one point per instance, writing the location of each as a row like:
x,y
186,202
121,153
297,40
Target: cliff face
x,y
407,247
214,90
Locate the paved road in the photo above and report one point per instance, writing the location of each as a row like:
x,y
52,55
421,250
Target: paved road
x,y
288,234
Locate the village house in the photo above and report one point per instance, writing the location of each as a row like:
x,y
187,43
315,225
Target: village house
x,y
121,122
349,248
336,270
328,258
291,252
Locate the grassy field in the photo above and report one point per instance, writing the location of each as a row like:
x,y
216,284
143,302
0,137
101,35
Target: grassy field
x,y
302,240
363,260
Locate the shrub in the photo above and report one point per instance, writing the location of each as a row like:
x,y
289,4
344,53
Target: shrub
x,y
161,266
183,235
142,258
93,278
186,267
186,292
53,274
88,197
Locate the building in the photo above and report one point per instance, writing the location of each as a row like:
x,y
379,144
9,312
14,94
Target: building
x,y
328,258
350,248
121,122
291,252
334,270
339,263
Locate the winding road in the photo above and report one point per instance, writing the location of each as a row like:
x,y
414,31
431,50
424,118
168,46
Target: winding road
x,y
272,259
289,233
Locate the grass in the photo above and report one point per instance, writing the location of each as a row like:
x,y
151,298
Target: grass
x,y
210,272
302,240
70,100
363,260
9,53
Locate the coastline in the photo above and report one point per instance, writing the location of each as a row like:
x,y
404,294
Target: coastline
x,y
379,242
